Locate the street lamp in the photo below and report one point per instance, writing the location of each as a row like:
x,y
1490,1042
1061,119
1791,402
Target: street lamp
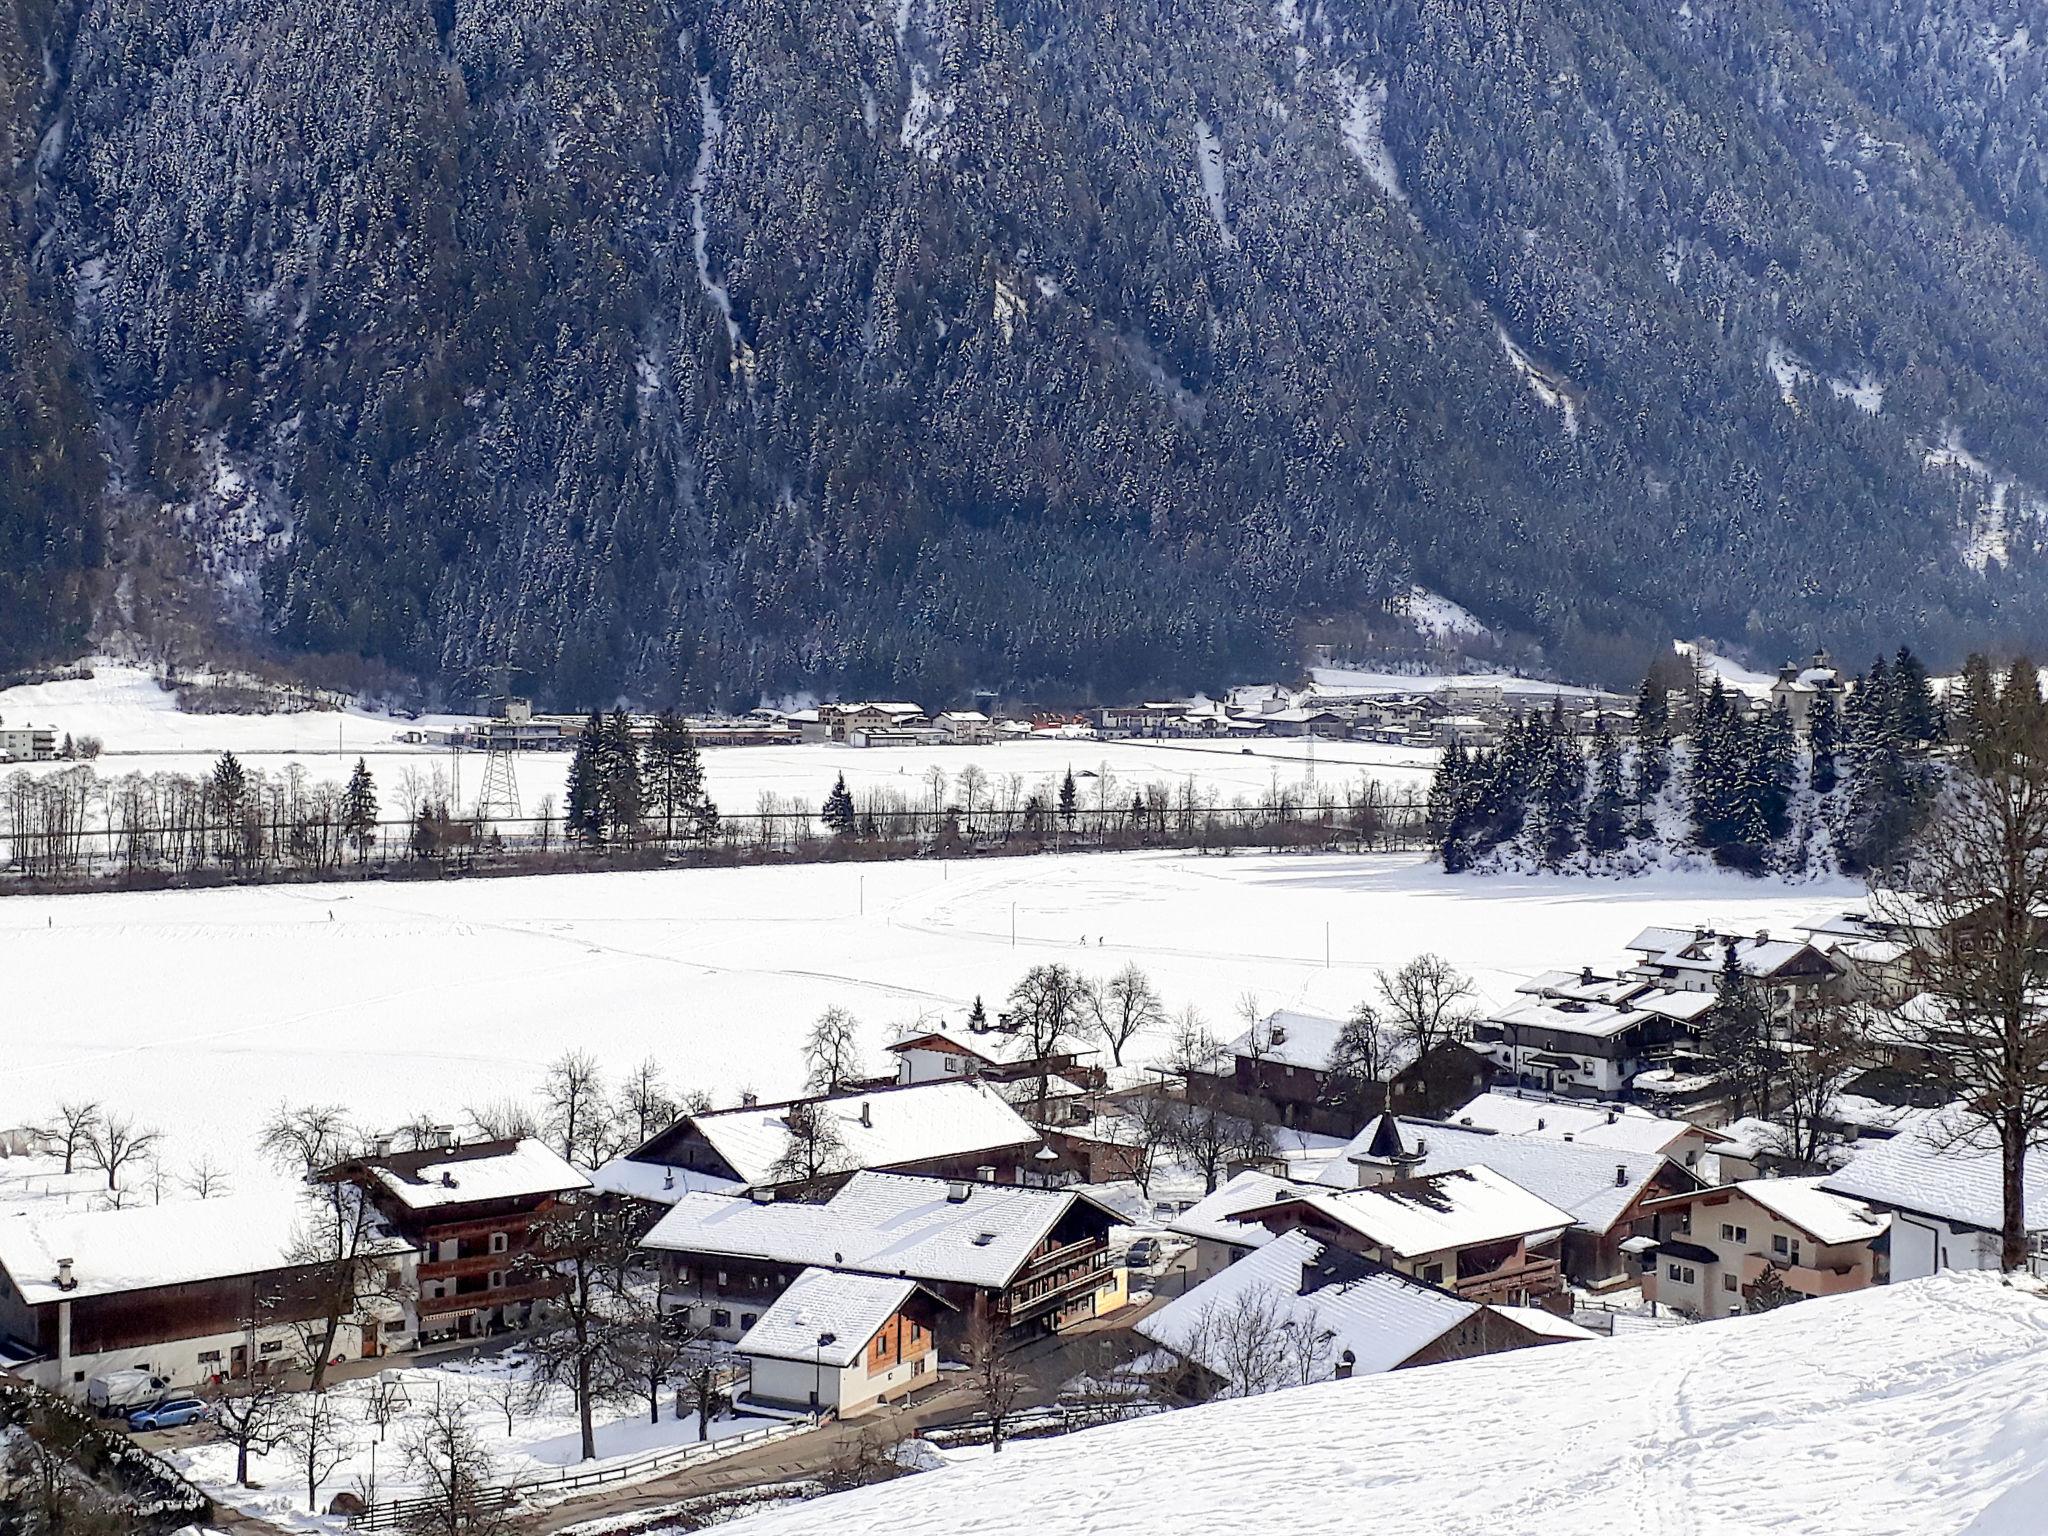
x,y
818,1370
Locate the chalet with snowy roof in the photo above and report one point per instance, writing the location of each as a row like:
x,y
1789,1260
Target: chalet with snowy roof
x,y
1940,1180
1473,1231
1582,1034
1283,1061
964,728
1608,1192
1619,1127
841,1342
1798,688
470,1209
1035,1259
846,721
1716,1247
1055,1088
1792,972
957,1129
1326,1313
1221,1240
194,1291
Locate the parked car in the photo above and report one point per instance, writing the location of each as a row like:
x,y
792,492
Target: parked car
x,y
1142,1253
170,1413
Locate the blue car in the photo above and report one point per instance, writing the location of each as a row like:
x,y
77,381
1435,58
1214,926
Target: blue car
x,y
170,1413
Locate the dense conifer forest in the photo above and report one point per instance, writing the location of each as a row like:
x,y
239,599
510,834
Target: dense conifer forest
x,y
683,351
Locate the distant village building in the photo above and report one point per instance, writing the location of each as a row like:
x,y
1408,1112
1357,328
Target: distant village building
x,y
1581,1033
1791,972
1033,1260
1716,1246
1283,1062
1942,1184
1797,688
965,728
194,1292
1352,1316
470,1209
27,743
1607,1191
1470,1230
946,1129
840,1342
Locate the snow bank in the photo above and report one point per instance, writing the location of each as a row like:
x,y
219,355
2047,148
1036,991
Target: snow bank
x,y
1912,1410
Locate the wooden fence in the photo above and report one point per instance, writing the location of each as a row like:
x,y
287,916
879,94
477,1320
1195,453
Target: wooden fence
x,y
395,1513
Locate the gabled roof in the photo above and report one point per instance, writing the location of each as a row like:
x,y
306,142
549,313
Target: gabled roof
x,y
657,1183
1304,1039
1825,1217
1456,1208
480,1171
1623,1127
1594,1184
1381,1318
142,1247
884,1223
1940,1165
997,1047
850,1306
1694,949
921,1122
1210,1216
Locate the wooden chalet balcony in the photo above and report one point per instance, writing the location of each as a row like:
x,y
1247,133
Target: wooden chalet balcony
x,y
1808,1279
1022,1309
1508,1284
1060,1257
476,1264
528,1290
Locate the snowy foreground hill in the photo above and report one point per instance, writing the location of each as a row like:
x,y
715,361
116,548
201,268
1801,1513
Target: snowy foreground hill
x,y
1915,1410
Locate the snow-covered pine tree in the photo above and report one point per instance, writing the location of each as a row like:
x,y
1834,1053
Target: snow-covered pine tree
x,y
359,811
1823,741
1607,819
583,814
839,814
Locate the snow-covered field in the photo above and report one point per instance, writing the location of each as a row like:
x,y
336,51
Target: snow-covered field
x,y
544,1436
1912,1410
143,731
198,1011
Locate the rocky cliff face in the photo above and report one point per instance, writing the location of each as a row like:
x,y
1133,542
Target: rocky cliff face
x,y
704,349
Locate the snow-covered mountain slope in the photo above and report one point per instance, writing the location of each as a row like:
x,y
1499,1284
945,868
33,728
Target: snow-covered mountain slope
x,y
1915,1410
709,348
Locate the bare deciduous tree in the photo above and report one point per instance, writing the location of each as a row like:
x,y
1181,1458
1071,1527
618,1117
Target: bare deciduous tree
x,y
318,1440
832,1054
77,1119
251,1415
993,1371
646,1105
205,1178
447,1462
1975,887
1048,1007
573,1097
503,1120
115,1142
1122,1008
1428,1002
813,1149
584,1244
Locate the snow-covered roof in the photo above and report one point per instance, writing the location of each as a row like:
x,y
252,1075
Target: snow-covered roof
x,y
1435,1212
1939,1165
1693,949
886,1223
851,1307
918,1123
492,1170
1548,1324
964,716
1624,1127
657,1183
144,1246
1902,1408
1210,1216
1591,1021
1291,1038
998,1047
1381,1318
1576,1177
1822,1215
